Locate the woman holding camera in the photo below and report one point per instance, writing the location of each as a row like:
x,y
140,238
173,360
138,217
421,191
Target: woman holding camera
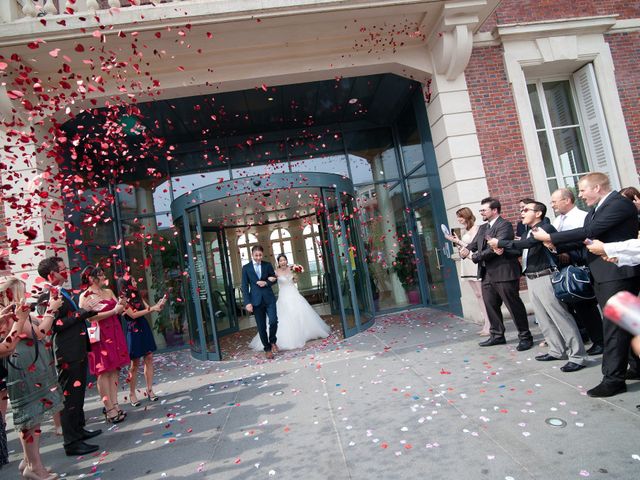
x,y
140,340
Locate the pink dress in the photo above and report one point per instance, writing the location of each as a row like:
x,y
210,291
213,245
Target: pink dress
x,y
110,353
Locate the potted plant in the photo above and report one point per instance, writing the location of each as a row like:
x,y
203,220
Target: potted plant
x,y
406,269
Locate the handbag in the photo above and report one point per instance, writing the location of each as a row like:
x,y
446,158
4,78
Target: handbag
x,y
571,284
94,332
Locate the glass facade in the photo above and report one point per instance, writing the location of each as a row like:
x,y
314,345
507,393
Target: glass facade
x,y
372,250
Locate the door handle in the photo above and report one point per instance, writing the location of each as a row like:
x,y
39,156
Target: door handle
x,y
438,264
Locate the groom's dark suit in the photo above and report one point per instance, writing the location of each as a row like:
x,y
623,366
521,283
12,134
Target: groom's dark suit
x,y
500,275
262,299
614,220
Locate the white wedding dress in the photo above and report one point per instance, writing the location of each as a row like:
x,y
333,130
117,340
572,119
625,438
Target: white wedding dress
x,y
298,322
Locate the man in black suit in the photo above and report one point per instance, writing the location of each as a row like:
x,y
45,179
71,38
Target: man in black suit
x,y
70,346
558,327
612,218
500,275
257,279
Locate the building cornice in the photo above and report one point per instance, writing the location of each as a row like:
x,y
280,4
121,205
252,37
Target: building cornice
x,y
551,28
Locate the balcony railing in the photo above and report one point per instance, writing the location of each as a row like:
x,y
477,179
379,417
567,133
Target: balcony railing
x,y
11,10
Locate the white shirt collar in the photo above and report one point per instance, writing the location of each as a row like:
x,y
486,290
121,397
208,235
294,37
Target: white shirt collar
x,y
492,222
602,200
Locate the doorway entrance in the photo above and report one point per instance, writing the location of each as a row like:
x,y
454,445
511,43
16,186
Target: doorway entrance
x,y
209,217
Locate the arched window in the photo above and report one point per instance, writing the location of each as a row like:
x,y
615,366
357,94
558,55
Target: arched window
x,y
245,242
281,243
313,249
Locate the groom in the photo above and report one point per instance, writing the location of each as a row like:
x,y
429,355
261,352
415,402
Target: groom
x,y
257,279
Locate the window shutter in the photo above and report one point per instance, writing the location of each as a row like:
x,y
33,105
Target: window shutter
x,y
595,126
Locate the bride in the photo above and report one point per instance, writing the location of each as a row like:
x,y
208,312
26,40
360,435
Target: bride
x,y
298,322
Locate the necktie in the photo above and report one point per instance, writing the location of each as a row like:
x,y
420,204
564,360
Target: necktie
x,y
525,253
257,268
561,222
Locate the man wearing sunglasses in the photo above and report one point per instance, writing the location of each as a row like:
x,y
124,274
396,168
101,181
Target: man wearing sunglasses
x,y
558,327
500,275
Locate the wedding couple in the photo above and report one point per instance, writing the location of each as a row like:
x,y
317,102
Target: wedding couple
x,y
297,320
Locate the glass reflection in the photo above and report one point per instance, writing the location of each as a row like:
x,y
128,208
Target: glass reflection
x,y
372,156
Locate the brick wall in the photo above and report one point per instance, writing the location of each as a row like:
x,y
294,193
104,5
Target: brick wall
x,y
498,129
518,11
625,49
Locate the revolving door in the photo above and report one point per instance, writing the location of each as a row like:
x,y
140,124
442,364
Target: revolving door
x,y
203,217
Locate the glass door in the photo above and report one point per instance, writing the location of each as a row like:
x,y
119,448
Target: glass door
x,y
340,258
360,274
434,257
200,289
220,284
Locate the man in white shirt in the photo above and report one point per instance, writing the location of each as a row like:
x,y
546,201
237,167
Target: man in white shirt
x,y
586,314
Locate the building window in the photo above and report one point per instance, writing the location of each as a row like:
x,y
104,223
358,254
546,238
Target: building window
x,y
281,243
312,245
245,242
570,127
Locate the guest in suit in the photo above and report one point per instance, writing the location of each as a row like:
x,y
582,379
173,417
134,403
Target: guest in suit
x,y
612,218
70,346
500,274
557,325
585,313
257,279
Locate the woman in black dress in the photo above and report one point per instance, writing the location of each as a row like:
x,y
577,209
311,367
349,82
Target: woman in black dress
x,y
140,340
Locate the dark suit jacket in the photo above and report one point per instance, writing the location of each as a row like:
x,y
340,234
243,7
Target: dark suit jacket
x,y
538,257
615,220
70,340
493,267
251,292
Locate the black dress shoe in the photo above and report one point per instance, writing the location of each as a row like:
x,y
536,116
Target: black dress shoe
x,y
87,434
632,375
595,350
490,342
607,390
546,358
524,345
572,367
80,448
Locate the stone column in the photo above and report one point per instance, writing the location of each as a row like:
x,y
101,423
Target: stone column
x,y
32,205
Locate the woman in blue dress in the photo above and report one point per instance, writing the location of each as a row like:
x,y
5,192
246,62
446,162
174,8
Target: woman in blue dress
x,y
140,340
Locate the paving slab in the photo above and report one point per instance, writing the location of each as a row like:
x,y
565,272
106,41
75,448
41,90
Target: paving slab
x,y
412,397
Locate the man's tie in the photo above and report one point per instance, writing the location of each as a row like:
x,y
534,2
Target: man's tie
x,y
561,222
257,269
525,253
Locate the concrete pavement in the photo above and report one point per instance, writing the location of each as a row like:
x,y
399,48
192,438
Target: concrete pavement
x,y
413,397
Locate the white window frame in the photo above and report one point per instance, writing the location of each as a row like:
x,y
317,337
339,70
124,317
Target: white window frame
x,y
549,129
562,47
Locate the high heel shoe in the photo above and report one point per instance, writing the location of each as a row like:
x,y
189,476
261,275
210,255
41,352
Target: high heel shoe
x,y
117,418
152,396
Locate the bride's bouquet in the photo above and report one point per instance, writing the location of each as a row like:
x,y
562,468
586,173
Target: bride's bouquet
x,y
297,268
